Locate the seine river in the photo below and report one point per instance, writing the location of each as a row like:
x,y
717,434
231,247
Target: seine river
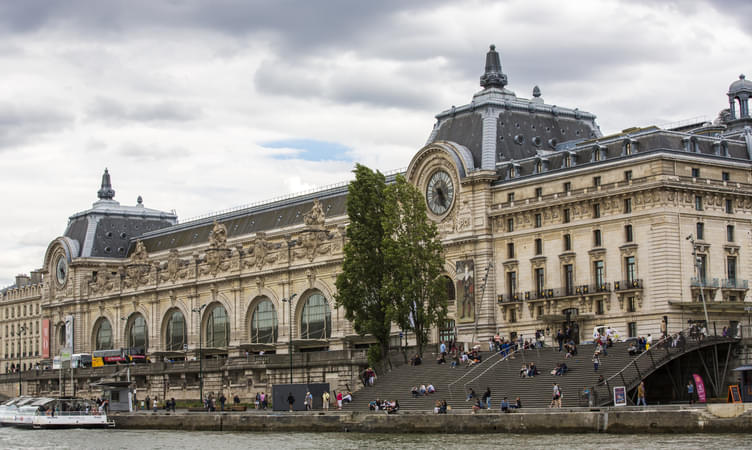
x,y
11,438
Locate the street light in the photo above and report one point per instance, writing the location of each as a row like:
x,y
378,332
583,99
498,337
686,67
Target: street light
x,y
700,277
200,351
289,324
21,329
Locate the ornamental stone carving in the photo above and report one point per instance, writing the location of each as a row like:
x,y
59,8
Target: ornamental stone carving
x,y
316,216
218,236
312,243
175,267
140,255
259,252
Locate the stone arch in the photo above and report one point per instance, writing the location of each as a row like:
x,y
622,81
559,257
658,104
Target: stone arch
x,y
95,331
210,307
179,307
302,300
252,304
129,319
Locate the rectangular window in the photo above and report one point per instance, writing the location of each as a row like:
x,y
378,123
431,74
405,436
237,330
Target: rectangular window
x,y
729,206
540,282
567,242
730,233
629,270
598,274
627,175
597,154
628,148
596,210
631,307
511,283
512,315
596,181
627,205
566,215
632,329
700,230
538,221
510,197
725,176
568,279
538,246
702,264
599,307
510,250
567,187
698,203
731,269
628,233
539,192
695,172
510,225
597,241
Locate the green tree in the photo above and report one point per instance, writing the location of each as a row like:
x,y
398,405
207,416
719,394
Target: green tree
x,y
361,285
414,258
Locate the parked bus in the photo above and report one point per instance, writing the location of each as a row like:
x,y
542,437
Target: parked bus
x,y
81,360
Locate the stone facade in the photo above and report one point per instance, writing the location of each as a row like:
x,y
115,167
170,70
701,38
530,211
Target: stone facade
x,y
546,224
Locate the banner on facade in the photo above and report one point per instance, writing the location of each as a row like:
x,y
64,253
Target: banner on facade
x,y
45,338
700,388
465,291
69,332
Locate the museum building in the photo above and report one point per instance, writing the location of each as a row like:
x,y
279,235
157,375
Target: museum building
x,y
545,222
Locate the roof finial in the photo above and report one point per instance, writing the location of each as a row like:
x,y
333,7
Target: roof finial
x,y
741,77
140,201
493,76
106,192
536,92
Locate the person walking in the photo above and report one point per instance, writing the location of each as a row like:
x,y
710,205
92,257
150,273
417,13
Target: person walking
x,y
148,403
555,397
641,394
487,398
691,392
596,362
290,400
325,400
308,401
222,400
155,404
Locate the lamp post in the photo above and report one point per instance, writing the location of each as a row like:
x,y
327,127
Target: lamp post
x,y
21,329
289,324
700,277
200,355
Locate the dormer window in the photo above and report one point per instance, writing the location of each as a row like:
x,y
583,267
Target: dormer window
x,y
538,166
568,161
628,148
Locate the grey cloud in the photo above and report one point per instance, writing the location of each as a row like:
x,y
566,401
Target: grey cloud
x,y
110,110
151,152
20,124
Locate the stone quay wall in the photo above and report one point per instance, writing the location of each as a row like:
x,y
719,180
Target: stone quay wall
x,y
731,419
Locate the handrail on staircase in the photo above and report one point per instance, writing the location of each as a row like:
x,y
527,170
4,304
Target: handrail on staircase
x,y
505,358
472,369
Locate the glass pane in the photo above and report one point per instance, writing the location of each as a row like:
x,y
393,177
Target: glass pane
x,y
104,335
137,334
218,328
264,323
176,331
316,318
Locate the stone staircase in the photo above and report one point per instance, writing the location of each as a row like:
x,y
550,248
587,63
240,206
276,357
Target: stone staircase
x,y
499,374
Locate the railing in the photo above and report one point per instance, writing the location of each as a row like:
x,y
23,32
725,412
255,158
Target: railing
x,y
472,370
628,284
506,357
733,283
707,283
654,357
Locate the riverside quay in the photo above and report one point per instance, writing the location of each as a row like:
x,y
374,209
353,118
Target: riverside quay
x,y
546,224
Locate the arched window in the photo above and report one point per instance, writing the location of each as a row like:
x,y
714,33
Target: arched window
x,y
264,323
217,328
316,318
175,336
103,340
138,338
61,335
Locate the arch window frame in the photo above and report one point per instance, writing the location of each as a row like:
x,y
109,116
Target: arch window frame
x,y
212,333
98,345
171,343
310,316
264,323
137,320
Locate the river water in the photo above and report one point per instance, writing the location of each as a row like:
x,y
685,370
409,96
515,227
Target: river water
x,y
11,438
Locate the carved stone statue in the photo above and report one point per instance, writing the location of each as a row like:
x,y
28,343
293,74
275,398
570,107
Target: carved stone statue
x,y
316,216
139,254
218,236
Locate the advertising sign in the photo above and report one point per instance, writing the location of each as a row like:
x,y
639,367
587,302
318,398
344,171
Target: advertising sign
x,y
465,290
700,388
69,332
620,396
45,338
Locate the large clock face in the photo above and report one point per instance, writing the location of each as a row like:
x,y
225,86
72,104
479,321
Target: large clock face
x,y
61,270
440,192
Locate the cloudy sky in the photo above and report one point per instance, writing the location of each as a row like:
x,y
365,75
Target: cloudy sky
x,y
204,105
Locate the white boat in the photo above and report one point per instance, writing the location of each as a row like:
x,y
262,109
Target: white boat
x,y
53,413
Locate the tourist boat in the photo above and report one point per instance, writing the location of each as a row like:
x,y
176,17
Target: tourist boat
x,y
31,412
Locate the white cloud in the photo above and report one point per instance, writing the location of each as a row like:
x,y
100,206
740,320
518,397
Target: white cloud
x,y
177,98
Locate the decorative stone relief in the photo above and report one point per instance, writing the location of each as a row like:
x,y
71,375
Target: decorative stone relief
x,y
218,236
316,216
312,243
175,267
260,252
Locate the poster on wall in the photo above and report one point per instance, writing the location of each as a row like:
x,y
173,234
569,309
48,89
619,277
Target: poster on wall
x,y
69,332
45,338
620,396
465,279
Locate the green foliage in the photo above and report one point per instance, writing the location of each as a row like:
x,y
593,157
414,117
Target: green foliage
x,y
360,286
414,258
374,355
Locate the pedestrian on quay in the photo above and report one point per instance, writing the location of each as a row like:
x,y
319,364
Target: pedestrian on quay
x,y
596,362
339,400
148,403
222,400
691,392
290,400
325,400
487,398
641,394
308,401
155,403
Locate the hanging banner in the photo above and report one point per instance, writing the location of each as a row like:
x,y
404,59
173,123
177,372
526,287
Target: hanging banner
x,y
45,338
69,332
465,291
700,388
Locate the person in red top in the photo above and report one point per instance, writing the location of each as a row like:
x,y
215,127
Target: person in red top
x,y
339,400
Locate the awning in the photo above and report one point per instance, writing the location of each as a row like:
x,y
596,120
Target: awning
x,y
742,369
